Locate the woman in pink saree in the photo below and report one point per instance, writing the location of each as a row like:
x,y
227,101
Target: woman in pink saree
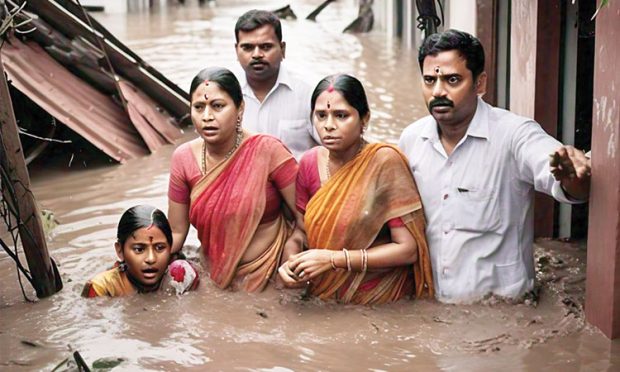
x,y
233,187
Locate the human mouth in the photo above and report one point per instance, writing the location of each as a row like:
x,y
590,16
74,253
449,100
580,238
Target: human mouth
x,y
210,130
150,273
440,105
328,140
258,66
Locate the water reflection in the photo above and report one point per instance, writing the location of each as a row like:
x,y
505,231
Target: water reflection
x,y
216,330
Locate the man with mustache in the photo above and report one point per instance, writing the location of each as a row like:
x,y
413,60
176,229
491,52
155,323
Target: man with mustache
x,y
476,167
276,102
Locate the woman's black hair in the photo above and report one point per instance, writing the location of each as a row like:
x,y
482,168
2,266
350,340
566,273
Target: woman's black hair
x,y
350,88
141,216
222,77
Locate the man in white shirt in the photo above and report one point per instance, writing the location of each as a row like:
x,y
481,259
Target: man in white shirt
x,y
476,167
276,103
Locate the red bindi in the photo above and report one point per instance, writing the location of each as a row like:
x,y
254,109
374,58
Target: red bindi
x,y
207,82
328,105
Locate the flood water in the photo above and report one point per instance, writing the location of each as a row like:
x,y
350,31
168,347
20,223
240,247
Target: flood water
x,y
210,329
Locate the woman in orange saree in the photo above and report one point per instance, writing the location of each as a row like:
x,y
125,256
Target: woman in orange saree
x,y
363,216
232,186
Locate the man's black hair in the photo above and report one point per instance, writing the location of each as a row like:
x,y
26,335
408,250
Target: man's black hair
x,y
254,19
468,46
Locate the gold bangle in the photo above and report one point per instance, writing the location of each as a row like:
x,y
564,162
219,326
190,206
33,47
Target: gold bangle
x,y
348,259
331,260
364,260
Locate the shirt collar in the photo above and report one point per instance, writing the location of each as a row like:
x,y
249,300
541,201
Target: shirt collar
x,y
478,127
284,78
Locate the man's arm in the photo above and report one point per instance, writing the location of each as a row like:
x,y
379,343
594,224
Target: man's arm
x,y
572,168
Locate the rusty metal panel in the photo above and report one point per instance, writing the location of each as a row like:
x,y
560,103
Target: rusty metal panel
x,y
66,17
603,270
76,104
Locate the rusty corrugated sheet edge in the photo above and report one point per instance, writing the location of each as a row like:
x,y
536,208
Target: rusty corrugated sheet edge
x,y
85,110
68,18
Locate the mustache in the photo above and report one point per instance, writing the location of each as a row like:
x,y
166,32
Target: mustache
x,y
261,62
440,102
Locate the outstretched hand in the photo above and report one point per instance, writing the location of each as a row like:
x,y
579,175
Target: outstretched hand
x,y
573,169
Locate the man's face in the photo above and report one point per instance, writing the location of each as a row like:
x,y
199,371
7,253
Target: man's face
x,y
259,52
449,90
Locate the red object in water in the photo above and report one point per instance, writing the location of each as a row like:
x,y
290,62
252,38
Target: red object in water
x,y
177,272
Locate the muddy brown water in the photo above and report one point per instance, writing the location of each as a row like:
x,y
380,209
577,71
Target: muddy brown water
x,y
212,329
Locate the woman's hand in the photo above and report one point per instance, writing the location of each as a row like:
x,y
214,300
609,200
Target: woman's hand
x,y
310,264
288,278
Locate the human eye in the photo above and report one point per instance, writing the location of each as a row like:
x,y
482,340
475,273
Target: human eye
x,y
453,80
266,47
137,248
429,80
161,247
320,115
342,115
247,47
218,106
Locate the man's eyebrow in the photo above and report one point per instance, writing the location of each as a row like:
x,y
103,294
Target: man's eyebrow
x,y
245,44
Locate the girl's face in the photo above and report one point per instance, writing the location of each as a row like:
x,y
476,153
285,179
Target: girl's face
x,y
214,113
338,123
147,254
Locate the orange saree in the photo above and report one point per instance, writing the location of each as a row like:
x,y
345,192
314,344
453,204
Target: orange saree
x,y
112,283
226,207
350,209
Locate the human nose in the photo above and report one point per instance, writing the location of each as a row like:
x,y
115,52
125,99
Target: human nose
x,y
257,53
438,89
151,257
207,114
330,124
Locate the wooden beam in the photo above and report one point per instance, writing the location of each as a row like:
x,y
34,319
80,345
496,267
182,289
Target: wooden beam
x,y
547,96
603,267
43,272
486,31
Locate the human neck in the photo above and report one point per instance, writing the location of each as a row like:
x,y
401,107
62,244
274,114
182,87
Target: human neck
x,y
218,151
339,158
262,87
451,133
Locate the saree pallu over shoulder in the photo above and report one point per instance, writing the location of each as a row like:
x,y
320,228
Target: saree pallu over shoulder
x,y
112,283
349,211
226,207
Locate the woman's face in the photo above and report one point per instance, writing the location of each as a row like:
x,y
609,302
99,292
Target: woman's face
x,y
214,113
147,254
338,123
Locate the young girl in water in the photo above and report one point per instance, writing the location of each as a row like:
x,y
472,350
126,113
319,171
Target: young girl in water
x,y
144,251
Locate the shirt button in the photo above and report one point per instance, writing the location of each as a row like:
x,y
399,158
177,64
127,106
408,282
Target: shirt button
x,y
445,196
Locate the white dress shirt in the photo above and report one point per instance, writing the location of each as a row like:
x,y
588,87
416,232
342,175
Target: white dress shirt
x,y
479,201
284,113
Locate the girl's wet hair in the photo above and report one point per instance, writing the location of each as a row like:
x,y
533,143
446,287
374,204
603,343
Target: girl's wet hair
x,y
350,88
222,77
141,216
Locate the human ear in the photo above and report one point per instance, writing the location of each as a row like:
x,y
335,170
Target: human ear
x,y
119,251
283,47
481,84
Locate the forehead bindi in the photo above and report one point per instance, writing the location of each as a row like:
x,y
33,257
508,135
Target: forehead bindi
x,y
444,63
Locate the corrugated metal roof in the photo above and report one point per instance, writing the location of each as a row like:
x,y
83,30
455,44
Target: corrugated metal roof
x,y
91,114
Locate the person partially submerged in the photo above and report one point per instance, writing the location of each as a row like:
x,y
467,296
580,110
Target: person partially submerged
x,y
143,247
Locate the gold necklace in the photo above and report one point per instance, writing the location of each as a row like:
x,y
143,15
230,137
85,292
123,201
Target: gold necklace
x,y
228,154
328,173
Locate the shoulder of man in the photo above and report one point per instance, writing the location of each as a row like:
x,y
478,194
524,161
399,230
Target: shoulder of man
x,y
414,129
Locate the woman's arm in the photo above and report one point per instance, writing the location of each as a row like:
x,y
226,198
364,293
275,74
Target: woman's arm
x,y
295,242
402,250
178,215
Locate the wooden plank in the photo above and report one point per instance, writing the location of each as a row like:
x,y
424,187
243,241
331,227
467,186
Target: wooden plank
x,y
31,232
603,268
486,30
